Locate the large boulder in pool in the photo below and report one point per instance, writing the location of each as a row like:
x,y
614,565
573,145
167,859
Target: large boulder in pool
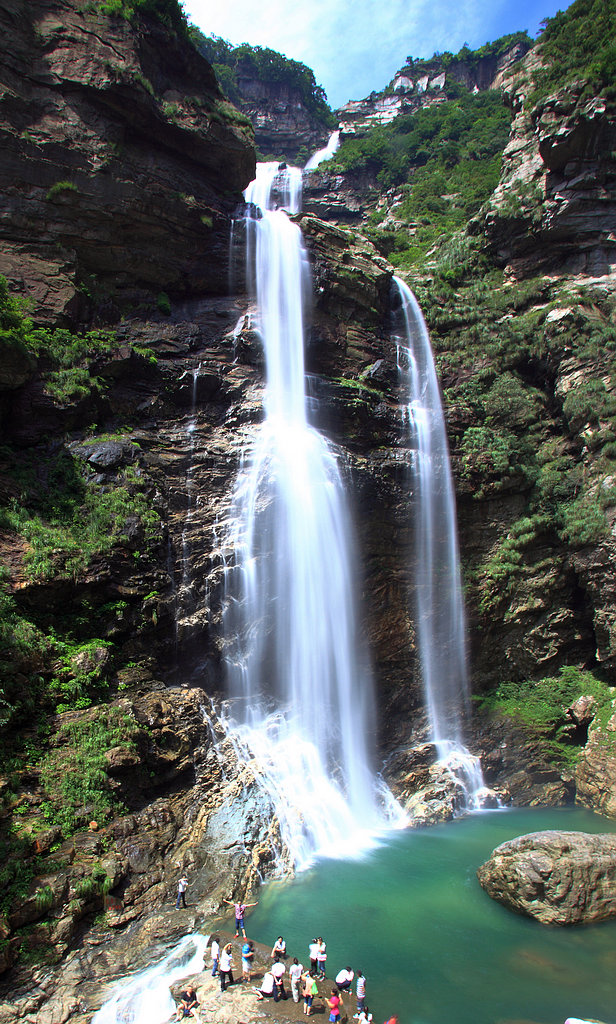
x,y
555,877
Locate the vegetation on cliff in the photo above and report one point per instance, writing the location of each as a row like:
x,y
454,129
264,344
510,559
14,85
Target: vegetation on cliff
x,y
417,66
169,12
541,708
56,515
444,160
578,45
265,65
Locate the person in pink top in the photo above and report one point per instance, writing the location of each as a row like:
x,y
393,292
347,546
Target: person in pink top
x,y
335,1006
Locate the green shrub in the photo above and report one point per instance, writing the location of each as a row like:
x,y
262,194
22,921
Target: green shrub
x,y
578,44
169,12
73,772
539,707
60,187
163,304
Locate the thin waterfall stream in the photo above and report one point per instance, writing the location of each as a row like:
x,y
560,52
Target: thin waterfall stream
x,y
439,606
302,707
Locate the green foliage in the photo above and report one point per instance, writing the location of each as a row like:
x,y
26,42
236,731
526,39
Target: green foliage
x,y
73,772
416,67
583,520
88,520
44,899
589,403
17,872
267,66
539,706
447,156
506,565
163,303
23,649
578,45
169,12
79,674
488,452
62,355
61,186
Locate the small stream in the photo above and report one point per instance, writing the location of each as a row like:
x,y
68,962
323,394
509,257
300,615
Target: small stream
x,y
434,947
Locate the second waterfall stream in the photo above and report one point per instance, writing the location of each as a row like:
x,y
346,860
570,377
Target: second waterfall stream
x,y
302,708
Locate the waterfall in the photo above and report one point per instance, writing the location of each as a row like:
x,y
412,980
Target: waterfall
x,y
439,606
302,703
326,153
146,998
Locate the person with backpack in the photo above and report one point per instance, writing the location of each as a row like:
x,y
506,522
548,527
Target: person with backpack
x,y
310,989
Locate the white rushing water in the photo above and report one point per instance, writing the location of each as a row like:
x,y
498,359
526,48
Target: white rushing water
x,y
146,998
303,702
324,154
439,605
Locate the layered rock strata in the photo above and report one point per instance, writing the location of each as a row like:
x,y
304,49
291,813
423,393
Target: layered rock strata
x,y
90,220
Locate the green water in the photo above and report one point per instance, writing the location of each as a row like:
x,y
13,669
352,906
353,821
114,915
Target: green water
x,y
434,948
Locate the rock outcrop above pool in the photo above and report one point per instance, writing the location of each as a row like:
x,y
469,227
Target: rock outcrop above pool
x,y
556,877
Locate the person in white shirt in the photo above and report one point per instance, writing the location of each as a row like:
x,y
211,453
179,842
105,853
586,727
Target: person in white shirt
x,y
215,952
344,978
313,952
278,970
226,967
295,972
279,948
182,887
364,1016
267,986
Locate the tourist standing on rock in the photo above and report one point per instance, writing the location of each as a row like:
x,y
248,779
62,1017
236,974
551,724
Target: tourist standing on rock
x,y
313,951
215,951
182,887
335,1006
344,979
279,948
361,991
295,974
248,955
226,967
321,956
240,910
278,970
309,991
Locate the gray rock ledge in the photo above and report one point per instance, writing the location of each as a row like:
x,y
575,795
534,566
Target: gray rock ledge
x,y
556,877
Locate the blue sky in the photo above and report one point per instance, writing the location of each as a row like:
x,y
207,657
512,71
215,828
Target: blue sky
x,y
355,46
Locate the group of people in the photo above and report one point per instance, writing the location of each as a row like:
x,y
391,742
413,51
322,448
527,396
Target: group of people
x,y
302,981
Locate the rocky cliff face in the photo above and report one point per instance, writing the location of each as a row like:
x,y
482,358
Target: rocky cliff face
x,y
284,128
89,218
554,208
424,84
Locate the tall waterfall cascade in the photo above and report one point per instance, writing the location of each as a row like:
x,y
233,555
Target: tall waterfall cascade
x,y
301,708
439,606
